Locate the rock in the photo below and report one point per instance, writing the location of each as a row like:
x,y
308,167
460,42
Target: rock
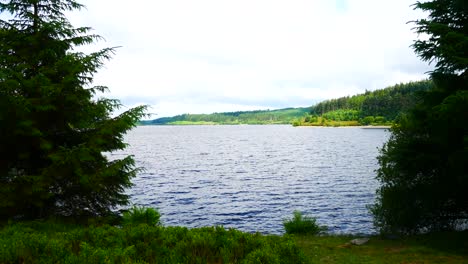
x,y
359,241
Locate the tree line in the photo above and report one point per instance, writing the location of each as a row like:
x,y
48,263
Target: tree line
x,y
372,107
381,106
279,116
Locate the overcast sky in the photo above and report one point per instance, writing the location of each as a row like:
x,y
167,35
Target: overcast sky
x,y
204,56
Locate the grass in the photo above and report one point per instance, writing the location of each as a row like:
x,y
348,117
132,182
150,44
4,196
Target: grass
x,y
49,242
450,247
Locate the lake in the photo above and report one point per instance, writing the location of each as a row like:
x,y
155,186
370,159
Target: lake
x,y
252,177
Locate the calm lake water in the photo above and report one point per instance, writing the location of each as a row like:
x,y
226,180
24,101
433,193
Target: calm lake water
x,y
252,177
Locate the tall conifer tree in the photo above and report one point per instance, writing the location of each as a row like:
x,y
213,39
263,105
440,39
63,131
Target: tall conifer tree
x,y
53,128
424,172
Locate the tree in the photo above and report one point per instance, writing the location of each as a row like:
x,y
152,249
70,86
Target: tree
x,y
54,130
423,168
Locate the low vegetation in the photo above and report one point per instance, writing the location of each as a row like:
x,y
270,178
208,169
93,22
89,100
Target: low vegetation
x,y
448,247
53,242
141,215
47,242
301,224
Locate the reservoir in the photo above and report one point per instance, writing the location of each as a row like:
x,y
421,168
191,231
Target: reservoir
x,y
252,177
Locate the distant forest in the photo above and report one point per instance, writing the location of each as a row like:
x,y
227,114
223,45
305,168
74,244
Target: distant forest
x,y
280,116
379,107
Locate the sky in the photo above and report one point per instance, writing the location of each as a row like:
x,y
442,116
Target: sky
x,y
205,56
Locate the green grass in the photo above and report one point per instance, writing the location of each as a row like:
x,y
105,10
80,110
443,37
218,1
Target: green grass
x,y
451,247
49,242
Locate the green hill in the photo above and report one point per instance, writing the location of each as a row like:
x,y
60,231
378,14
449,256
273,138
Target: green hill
x,y
379,107
279,116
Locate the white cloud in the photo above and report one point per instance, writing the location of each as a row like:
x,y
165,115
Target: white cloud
x,y
217,55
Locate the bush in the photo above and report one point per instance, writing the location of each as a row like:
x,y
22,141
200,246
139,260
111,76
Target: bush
x,y
300,224
141,215
380,120
296,122
40,242
367,120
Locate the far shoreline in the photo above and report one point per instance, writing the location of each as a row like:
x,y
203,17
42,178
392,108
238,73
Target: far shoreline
x,y
215,124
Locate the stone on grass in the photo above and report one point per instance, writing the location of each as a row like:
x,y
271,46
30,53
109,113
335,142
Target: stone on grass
x,y
359,241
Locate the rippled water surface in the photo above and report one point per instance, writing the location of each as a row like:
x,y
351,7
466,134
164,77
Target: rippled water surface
x,y
252,177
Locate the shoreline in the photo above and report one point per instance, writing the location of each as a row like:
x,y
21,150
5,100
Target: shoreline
x,y
214,124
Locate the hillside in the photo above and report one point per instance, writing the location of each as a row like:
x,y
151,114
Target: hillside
x,y
379,107
279,116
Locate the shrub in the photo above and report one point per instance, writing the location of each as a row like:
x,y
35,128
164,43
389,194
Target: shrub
x,y
54,243
380,119
141,215
368,120
300,224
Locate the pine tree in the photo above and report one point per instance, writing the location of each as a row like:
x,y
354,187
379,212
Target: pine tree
x,y
54,130
423,167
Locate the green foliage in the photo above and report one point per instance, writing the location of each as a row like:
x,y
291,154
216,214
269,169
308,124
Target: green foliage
x,y
53,127
342,115
389,103
40,243
296,122
444,247
423,168
322,121
380,120
300,224
368,120
311,119
141,215
380,107
280,116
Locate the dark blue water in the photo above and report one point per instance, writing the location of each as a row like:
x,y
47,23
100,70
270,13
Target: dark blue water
x,y
252,177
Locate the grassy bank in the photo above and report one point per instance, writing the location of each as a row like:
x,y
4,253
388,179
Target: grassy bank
x,y
39,242
450,247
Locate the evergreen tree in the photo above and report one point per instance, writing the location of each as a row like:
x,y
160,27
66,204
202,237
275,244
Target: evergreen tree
x,y
53,128
423,167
